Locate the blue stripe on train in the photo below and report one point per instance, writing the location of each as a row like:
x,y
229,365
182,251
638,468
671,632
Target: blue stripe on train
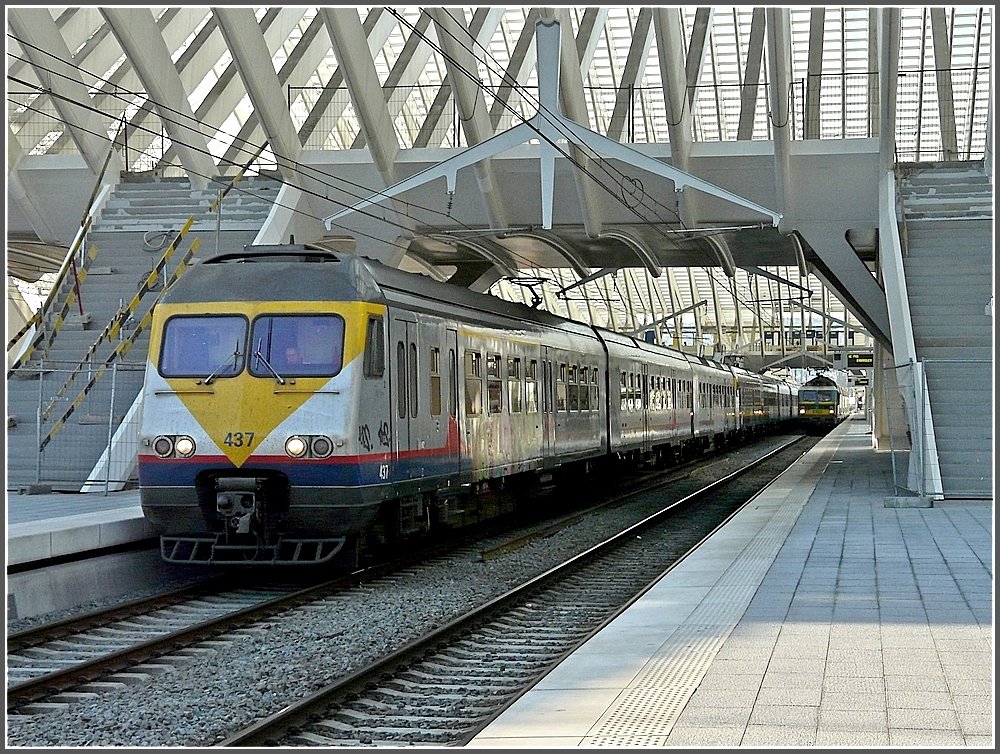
x,y
169,473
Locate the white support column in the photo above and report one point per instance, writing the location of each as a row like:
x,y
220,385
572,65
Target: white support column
x,y
779,55
142,42
696,51
43,46
670,48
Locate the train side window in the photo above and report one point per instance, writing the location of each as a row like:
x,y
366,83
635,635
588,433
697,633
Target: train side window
x,y
561,387
374,348
531,387
452,382
514,383
584,389
435,369
473,383
547,386
572,388
624,390
494,389
414,395
401,382
594,391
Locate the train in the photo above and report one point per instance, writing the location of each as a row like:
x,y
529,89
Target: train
x,y
822,404
305,406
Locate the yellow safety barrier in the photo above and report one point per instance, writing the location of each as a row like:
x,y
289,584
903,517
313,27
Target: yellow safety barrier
x,y
60,318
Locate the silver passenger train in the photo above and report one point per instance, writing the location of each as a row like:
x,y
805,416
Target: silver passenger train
x,y
303,406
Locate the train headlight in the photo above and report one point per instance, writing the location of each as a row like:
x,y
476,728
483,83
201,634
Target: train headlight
x,y
321,447
802,410
163,446
296,446
831,410
184,446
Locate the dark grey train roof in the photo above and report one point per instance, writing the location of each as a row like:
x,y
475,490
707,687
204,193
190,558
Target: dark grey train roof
x,y
267,275
299,273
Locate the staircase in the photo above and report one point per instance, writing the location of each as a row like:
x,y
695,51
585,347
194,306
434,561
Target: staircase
x,y
134,229
948,264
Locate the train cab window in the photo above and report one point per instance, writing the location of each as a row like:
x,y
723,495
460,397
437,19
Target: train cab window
x,y
296,345
531,387
514,383
374,348
435,369
473,383
203,347
494,387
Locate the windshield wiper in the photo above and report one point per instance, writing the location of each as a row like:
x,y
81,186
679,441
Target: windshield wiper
x,y
259,355
236,355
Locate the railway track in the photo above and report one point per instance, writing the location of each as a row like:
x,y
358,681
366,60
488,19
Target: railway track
x,y
78,660
446,686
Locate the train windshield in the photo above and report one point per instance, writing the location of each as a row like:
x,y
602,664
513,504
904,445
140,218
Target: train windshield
x,y
297,345
826,396
203,346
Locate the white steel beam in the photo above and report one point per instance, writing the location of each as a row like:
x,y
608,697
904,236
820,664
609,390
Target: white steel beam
x,y
552,127
569,82
355,59
43,46
814,72
482,29
670,49
888,71
945,91
142,42
635,62
253,63
696,51
751,76
454,38
522,59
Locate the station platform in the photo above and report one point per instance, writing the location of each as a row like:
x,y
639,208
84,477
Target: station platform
x,y
56,524
817,616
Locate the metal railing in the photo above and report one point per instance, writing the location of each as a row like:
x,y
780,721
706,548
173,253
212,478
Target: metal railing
x,y
72,457
921,455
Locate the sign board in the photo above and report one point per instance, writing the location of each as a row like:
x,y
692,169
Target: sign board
x,y
860,360
858,381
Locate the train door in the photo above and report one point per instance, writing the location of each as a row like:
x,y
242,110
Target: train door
x,y
644,404
403,388
548,404
451,416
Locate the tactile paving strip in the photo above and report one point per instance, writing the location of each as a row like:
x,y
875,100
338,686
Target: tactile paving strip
x,y
645,712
